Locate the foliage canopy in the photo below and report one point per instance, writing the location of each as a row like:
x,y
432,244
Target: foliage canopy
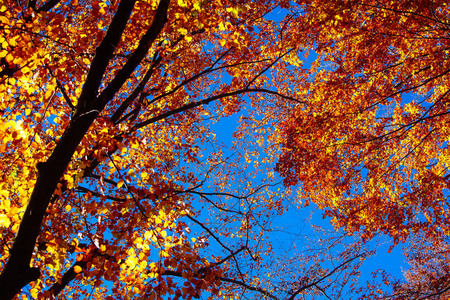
x,y
113,183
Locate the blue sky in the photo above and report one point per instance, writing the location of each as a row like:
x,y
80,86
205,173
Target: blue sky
x,y
293,232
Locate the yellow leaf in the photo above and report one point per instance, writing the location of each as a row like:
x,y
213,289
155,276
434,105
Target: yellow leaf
x,y
182,31
34,293
120,183
182,3
77,269
197,5
233,11
4,220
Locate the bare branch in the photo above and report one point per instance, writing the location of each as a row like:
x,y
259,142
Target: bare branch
x,y
207,101
314,283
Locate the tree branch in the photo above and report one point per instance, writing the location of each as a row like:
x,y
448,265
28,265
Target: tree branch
x,y
314,283
125,104
229,280
68,276
103,55
61,88
207,101
48,5
138,55
12,279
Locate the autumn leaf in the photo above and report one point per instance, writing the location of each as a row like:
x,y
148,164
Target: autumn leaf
x,y
115,174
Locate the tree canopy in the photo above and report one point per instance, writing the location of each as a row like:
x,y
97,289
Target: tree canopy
x,y
115,185
371,145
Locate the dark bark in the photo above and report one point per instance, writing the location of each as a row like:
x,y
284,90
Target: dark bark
x,y
138,55
17,272
70,274
48,5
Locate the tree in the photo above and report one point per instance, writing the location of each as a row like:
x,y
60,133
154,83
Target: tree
x,y
110,172
370,145
428,276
